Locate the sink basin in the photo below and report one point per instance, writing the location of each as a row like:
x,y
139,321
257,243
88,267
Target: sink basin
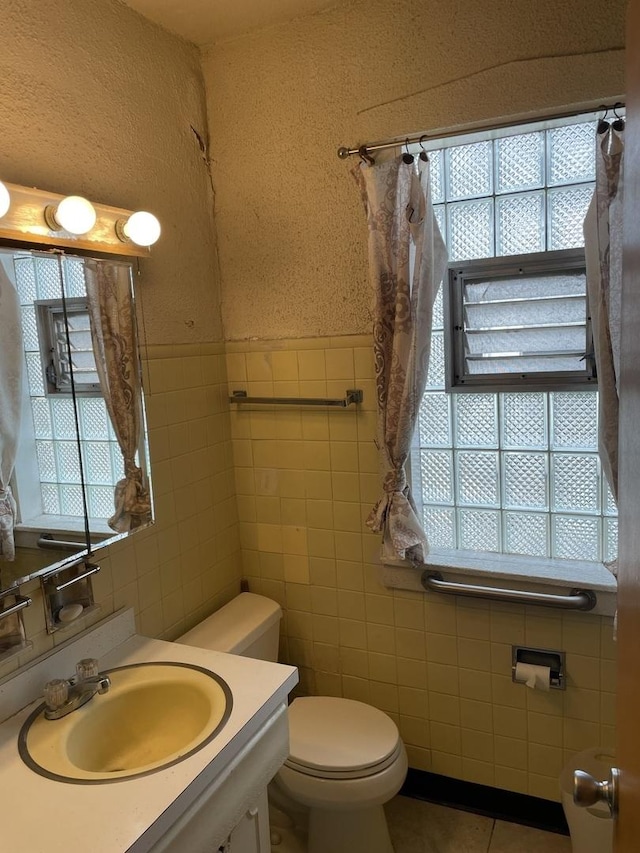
x,y
154,715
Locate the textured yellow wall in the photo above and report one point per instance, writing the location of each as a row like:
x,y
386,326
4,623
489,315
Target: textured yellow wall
x,y
282,100
98,101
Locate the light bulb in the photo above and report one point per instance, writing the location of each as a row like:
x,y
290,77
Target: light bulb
x,y
75,214
5,199
142,228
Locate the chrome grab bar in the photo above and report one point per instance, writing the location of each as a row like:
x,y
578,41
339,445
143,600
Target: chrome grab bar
x,y
351,396
48,543
91,570
579,599
22,601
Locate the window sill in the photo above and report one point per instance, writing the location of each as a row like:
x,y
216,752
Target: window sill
x,y
60,527
534,574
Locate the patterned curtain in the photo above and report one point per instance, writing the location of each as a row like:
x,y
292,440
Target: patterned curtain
x,y
603,250
11,372
115,348
397,199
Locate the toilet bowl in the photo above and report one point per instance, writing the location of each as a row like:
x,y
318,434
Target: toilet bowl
x,y
346,758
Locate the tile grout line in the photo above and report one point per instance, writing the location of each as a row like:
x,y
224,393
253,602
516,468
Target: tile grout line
x,y
493,827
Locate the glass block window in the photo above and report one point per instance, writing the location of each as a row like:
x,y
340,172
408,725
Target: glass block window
x,y
523,191
39,284
513,471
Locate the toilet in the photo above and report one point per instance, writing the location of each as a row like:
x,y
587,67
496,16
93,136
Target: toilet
x,y
346,758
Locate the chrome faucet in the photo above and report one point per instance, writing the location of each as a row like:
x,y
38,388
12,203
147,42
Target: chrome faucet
x,y
64,695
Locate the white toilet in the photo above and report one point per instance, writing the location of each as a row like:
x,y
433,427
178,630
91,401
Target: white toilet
x,y
346,758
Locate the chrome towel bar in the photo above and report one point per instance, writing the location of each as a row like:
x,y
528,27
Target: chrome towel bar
x,y
21,601
91,570
351,396
579,599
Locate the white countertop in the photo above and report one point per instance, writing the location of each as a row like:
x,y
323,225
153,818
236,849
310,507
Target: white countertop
x,y
44,816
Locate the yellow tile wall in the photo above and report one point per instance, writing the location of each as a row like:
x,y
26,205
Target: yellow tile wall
x,y
306,480
188,563
295,502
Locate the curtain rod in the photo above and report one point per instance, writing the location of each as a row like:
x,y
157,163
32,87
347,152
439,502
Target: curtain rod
x,y
344,153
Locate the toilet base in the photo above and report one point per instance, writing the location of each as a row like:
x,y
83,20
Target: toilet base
x,y
353,831
297,828
342,816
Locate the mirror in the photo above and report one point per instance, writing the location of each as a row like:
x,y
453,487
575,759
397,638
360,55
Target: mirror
x,y
73,452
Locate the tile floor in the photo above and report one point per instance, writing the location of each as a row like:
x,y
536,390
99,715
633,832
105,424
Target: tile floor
x,y
419,827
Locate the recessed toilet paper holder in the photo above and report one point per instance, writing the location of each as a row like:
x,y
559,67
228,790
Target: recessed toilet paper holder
x,y
555,660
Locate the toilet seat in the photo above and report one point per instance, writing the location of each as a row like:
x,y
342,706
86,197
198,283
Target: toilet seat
x,y
327,773
333,738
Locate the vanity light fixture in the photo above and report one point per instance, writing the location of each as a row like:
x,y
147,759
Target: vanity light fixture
x,y
29,215
5,199
141,228
74,214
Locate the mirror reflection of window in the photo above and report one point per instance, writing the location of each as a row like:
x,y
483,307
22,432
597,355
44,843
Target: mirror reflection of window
x,y
115,346
64,331
70,454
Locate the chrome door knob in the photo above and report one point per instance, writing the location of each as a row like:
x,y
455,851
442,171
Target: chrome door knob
x,y
587,791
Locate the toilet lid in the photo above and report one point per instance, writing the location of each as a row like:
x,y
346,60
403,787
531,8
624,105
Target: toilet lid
x,y
339,735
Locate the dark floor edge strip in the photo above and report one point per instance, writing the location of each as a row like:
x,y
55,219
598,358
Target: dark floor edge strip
x,y
485,800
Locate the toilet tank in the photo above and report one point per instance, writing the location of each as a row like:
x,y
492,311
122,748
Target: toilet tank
x,y
249,625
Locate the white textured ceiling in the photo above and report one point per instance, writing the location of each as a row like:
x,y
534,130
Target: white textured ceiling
x,y
207,21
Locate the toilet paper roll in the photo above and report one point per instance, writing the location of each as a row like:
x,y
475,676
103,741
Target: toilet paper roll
x,y
536,677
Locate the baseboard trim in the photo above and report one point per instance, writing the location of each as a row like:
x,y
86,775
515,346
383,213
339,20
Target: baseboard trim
x,y
485,800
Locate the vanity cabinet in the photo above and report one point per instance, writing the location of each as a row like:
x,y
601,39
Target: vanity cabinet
x,y
231,814
252,834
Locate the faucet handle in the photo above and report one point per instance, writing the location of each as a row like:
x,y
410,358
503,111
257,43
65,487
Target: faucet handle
x,y
56,693
87,668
